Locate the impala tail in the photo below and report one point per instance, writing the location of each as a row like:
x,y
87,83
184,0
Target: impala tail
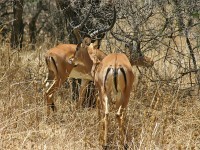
x,y
115,78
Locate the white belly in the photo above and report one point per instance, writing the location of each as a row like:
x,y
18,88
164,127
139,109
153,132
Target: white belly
x,y
79,75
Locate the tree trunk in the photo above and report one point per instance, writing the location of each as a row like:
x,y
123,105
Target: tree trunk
x,y
32,24
18,26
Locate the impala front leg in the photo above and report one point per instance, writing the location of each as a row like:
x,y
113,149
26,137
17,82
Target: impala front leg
x,y
82,92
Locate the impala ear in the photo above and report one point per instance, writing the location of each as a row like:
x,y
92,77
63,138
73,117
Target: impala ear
x,y
86,42
96,44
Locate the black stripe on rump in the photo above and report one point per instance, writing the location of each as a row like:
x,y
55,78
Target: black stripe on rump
x,y
124,74
115,78
54,62
108,70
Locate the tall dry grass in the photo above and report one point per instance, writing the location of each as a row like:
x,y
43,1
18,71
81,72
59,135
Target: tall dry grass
x,y
159,116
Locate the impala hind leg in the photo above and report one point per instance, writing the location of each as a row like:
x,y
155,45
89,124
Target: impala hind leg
x,y
49,96
100,113
105,137
120,118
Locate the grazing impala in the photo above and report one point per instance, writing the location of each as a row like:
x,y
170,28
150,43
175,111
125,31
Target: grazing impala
x,y
113,76
60,66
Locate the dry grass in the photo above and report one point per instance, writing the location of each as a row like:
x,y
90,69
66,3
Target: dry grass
x,y
159,115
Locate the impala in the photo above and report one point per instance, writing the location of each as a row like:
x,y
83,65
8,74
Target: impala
x,y
114,77
60,66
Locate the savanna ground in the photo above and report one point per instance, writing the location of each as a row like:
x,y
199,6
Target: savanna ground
x,y
161,115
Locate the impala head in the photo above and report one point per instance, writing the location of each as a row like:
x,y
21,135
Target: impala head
x,y
137,58
142,61
133,46
81,56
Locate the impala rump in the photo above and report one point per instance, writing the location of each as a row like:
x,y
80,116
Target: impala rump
x,y
115,79
51,64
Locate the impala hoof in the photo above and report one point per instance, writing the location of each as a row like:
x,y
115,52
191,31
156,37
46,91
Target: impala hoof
x,y
125,146
105,147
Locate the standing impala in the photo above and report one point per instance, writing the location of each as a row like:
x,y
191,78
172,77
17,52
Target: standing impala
x,y
114,77
60,66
